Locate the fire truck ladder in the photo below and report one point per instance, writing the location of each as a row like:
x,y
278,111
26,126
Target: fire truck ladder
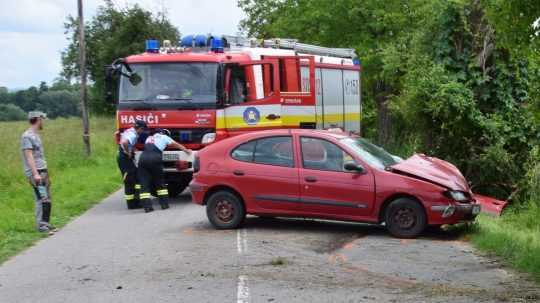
x,y
293,44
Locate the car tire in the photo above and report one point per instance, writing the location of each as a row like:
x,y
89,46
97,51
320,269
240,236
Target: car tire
x,y
405,218
225,210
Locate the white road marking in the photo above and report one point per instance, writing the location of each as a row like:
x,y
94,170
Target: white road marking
x,y
242,294
241,241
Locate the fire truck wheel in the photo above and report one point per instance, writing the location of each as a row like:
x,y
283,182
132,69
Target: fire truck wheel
x,y
405,218
225,210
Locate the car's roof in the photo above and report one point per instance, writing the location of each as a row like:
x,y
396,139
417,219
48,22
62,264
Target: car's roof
x,y
306,132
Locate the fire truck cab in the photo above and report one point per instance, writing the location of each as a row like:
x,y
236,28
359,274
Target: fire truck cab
x,y
210,88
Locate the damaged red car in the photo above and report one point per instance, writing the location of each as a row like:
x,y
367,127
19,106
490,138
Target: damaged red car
x,y
327,175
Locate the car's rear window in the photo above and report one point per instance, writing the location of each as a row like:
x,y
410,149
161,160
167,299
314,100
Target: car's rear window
x,y
244,152
269,150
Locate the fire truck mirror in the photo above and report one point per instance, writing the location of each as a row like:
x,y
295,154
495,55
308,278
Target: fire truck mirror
x,y
135,79
110,73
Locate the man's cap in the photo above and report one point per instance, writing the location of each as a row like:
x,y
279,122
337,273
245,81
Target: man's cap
x,y
36,114
140,124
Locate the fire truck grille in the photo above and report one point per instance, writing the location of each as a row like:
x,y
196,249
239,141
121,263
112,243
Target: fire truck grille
x,y
190,135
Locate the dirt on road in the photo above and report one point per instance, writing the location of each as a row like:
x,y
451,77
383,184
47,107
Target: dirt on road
x,y
111,254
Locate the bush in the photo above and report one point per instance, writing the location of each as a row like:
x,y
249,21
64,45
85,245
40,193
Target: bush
x,y
11,112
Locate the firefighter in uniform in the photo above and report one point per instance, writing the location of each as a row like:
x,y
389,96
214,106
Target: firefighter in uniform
x,y
126,162
150,171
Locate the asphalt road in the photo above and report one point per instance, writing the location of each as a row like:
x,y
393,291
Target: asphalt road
x,y
111,254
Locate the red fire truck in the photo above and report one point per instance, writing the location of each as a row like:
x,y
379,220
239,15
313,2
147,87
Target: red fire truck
x,y
210,88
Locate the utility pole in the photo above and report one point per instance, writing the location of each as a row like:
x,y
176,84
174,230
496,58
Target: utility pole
x,y
82,66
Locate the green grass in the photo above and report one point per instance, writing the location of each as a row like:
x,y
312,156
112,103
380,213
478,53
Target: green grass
x,y
515,236
77,182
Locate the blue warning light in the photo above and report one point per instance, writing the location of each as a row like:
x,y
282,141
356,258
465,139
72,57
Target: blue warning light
x,y
152,46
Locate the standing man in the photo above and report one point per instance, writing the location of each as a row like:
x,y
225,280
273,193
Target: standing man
x,y
151,168
35,169
126,155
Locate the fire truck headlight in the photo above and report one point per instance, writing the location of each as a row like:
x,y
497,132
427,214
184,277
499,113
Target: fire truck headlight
x,y
208,138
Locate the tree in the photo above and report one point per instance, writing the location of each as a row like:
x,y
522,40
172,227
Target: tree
x,y
59,103
10,112
112,34
374,28
43,87
4,95
26,99
515,23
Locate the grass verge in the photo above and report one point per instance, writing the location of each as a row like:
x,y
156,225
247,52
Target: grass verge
x,y
515,236
77,182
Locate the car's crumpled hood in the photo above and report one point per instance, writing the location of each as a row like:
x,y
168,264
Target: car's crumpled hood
x,y
432,170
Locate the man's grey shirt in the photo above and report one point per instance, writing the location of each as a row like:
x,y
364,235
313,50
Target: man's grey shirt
x,y
31,140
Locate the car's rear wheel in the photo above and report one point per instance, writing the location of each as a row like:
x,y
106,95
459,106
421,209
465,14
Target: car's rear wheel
x,y
405,218
225,210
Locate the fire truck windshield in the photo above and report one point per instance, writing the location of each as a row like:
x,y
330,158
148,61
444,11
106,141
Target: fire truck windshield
x,y
178,85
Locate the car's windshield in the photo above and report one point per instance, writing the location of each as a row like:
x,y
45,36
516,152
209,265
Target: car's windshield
x,y
374,155
184,84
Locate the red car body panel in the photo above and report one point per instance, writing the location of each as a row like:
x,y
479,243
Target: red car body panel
x,y
345,196
490,205
435,170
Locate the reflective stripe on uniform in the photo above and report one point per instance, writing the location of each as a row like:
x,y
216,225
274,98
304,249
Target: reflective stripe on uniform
x,y
162,192
130,197
137,186
144,196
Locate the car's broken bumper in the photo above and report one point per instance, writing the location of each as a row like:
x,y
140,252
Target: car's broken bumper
x,y
490,205
467,211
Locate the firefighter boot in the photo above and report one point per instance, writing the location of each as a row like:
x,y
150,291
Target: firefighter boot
x,y
146,202
163,196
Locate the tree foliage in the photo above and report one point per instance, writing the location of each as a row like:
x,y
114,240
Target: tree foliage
x,y
61,99
112,34
460,78
10,112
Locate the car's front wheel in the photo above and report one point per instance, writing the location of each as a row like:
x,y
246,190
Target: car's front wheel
x,y
225,210
405,218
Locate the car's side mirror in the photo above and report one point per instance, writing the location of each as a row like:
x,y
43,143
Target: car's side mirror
x,y
353,166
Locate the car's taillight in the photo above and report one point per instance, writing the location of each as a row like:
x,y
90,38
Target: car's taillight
x,y
196,164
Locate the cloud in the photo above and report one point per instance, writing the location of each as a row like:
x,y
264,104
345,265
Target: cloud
x,y
29,57
32,31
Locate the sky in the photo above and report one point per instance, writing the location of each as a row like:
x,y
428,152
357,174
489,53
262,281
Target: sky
x,y
32,31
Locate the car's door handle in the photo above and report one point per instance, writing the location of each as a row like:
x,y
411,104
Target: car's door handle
x,y
273,117
237,172
310,179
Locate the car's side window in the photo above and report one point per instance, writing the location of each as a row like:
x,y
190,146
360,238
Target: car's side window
x,y
274,151
322,155
244,152
270,150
